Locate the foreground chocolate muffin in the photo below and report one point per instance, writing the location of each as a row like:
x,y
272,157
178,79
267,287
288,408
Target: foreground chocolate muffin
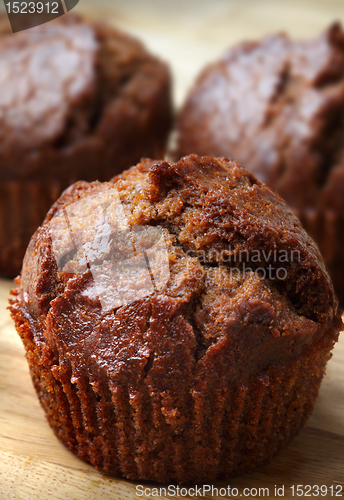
x,y
277,106
177,321
79,100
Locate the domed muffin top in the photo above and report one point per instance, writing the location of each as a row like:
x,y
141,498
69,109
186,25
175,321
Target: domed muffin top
x,y
43,74
68,81
276,105
197,254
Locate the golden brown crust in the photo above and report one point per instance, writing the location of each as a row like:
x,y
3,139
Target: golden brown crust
x,y
209,375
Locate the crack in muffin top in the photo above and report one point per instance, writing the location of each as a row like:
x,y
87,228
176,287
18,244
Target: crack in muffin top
x,y
94,249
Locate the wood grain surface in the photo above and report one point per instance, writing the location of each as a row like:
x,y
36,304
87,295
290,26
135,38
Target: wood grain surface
x,y
33,463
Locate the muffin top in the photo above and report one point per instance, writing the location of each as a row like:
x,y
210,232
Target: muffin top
x,y
65,82
46,78
277,106
181,265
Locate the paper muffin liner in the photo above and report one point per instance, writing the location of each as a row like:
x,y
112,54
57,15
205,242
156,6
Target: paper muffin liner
x,y
131,434
23,207
326,228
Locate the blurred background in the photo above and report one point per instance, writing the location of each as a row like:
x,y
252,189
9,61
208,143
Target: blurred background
x,y
190,33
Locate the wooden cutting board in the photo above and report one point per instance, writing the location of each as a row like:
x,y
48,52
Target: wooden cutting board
x,y
33,463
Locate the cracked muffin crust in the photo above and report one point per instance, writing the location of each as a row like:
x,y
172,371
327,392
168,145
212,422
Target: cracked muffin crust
x,y
277,106
79,100
208,373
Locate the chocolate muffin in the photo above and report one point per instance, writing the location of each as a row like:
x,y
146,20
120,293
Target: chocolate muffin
x,y
177,321
79,101
277,106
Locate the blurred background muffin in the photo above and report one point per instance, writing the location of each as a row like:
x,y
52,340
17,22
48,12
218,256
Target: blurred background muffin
x,y
78,100
277,106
